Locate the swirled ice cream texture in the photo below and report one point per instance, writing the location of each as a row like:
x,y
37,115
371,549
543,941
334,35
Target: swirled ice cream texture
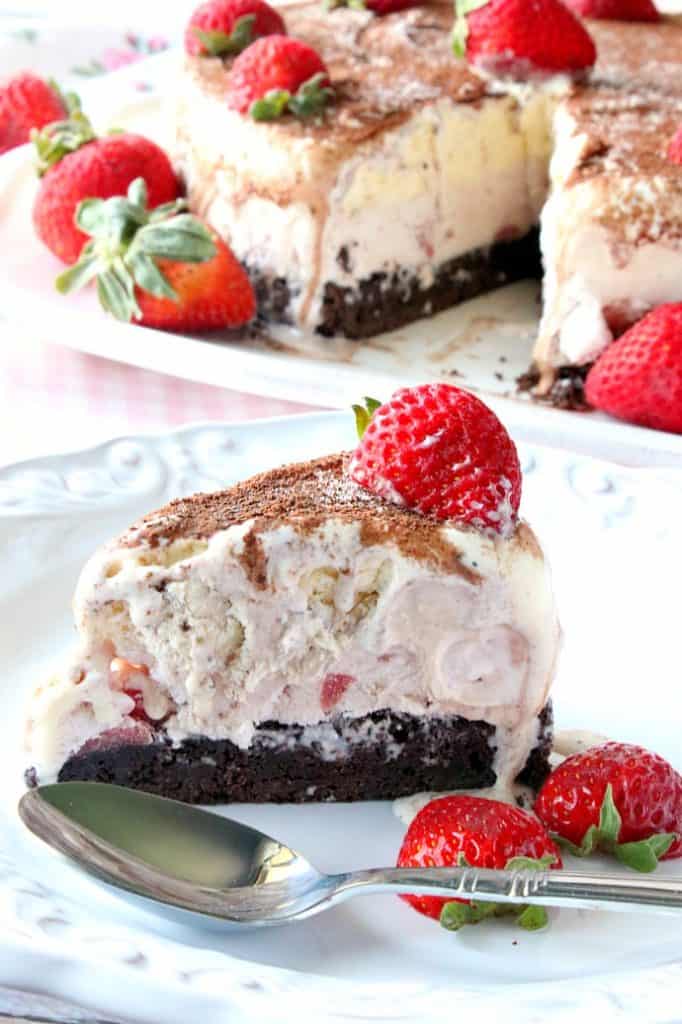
x,y
221,650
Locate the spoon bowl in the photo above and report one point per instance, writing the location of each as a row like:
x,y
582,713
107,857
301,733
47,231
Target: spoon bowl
x,y
174,853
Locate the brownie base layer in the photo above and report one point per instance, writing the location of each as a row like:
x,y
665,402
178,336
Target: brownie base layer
x,y
567,390
407,754
384,302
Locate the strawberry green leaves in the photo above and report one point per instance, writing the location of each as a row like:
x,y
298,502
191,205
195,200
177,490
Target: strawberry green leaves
x,y
364,413
223,44
310,100
126,240
642,856
271,106
355,5
60,138
456,914
463,8
531,918
312,97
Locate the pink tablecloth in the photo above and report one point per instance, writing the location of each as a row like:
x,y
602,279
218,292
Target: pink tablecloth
x,y
53,399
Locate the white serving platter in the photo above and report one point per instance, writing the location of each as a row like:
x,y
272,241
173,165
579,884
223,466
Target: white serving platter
x,y
483,345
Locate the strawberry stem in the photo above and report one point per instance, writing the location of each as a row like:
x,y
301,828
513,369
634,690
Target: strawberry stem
x,y
532,919
126,240
55,141
642,855
271,106
530,863
356,5
456,914
223,44
308,101
460,32
364,413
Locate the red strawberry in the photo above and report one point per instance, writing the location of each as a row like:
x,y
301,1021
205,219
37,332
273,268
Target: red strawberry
x,y
619,798
521,37
138,711
616,10
333,689
675,147
639,376
226,27
75,165
278,74
379,7
210,295
162,269
472,830
27,102
124,676
441,451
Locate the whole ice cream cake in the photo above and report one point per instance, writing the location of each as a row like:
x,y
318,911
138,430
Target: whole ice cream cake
x,y
425,181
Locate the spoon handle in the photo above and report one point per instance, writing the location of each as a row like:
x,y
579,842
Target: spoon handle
x,y
540,888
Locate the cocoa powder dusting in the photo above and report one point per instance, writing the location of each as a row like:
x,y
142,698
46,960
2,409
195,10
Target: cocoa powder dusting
x,y
302,496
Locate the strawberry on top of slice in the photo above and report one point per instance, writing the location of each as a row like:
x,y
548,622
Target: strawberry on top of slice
x,y
161,268
618,798
522,38
616,10
29,102
440,451
223,28
639,376
74,164
277,75
460,830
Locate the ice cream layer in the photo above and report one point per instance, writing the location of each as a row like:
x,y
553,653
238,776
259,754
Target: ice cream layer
x,y
451,180
238,613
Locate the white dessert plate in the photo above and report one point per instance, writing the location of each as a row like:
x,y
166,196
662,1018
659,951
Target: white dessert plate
x,y
611,534
484,344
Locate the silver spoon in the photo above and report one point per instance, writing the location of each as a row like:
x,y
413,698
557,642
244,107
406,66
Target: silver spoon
x,y
184,857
